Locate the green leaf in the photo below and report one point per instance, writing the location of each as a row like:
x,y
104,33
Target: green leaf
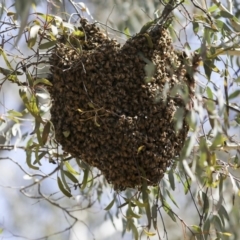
x,y
29,158
78,33
150,234
226,234
187,185
223,214
217,223
70,168
61,187
30,104
171,197
47,45
123,204
209,67
70,176
109,206
42,81
168,210
132,214
45,132
134,230
9,73
66,134
213,8
209,92
205,204
154,216
197,228
127,32
85,178
2,52
149,40
206,227
195,27
139,204
171,179
234,94
14,113
145,199
39,157
226,14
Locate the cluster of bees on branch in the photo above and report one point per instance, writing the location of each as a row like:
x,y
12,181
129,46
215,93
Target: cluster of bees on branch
x,y
101,99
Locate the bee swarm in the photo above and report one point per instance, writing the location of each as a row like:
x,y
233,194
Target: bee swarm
x,y
105,112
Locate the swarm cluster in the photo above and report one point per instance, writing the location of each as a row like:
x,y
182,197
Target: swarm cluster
x,y
108,106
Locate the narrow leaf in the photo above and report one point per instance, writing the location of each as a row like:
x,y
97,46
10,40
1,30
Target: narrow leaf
x,y
171,179
47,45
171,197
109,206
85,178
29,156
70,176
70,168
145,199
42,81
45,132
63,190
150,234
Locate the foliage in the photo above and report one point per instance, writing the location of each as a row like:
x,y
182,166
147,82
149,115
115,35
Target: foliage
x,y
209,161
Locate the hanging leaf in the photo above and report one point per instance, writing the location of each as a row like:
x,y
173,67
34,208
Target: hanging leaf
x,y
217,223
222,213
61,187
134,230
45,132
139,204
47,45
29,158
168,210
109,206
2,53
85,178
70,176
30,104
145,199
154,216
171,197
171,179
39,157
206,227
187,185
132,214
70,168
205,205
